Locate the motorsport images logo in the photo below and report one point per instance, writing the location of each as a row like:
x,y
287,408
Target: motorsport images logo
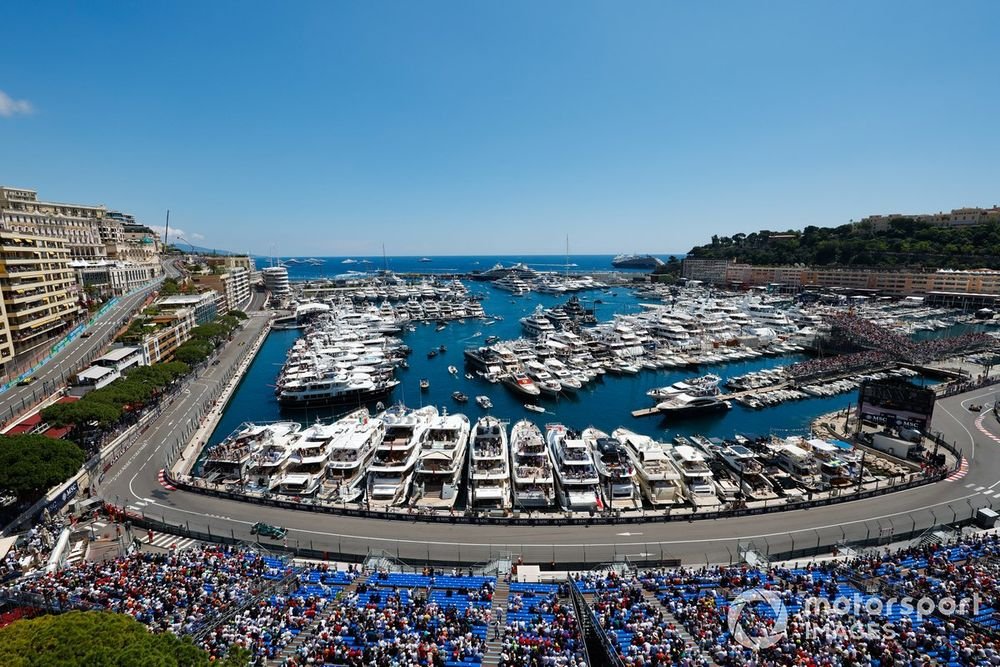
x,y
756,604
753,597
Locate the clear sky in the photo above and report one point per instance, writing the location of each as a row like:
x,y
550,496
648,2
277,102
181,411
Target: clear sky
x,y
475,127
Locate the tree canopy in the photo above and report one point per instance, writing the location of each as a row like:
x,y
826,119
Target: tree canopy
x,y
906,243
30,465
100,639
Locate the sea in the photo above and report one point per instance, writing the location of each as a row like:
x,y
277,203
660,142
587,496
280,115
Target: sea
x,y
314,268
606,404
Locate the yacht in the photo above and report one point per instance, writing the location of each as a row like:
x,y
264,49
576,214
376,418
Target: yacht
x,y
537,324
800,465
521,383
354,439
334,388
531,467
658,477
540,374
615,468
753,483
441,462
685,405
706,385
391,470
489,461
511,283
252,454
577,480
305,469
697,476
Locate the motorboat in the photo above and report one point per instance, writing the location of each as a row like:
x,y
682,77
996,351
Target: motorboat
x,y
697,477
521,383
441,462
656,473
617,472
706,385
531,467
489,461
354,440
484,402
391,471
577,480
685,405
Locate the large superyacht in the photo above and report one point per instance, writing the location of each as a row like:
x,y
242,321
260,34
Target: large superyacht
x,y
531,467
441,462
577,481
391,471
489,472
355,439
658,477
617,473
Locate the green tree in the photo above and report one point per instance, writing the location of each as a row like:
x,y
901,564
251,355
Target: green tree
x,y
238,314
100,639
30,465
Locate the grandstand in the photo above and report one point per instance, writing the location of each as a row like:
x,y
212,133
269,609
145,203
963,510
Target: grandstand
x,y
316,613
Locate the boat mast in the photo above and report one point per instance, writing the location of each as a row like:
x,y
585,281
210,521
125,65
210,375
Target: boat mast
x,y
166,231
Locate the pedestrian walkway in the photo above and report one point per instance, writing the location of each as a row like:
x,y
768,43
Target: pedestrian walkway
x,y
164,541
494,641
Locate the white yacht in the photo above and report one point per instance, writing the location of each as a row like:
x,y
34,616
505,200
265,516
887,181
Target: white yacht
x,y
616,469
489,461
511,283
658,477
749,472
697,476
537,371
355,438
568,380
537,324
685,405
531,467
521,383
706,385
305,469
391,470
252,454
800,465
578,483
441,462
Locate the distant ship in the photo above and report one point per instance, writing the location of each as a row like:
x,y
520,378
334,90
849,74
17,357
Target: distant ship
x,y
636,262
425,259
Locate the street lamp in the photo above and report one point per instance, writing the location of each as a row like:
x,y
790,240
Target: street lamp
x,y
181,238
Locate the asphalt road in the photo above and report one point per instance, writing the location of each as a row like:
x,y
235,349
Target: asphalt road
x,y
72,358
133,482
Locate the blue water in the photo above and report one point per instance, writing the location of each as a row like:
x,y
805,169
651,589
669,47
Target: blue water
x,y
334,266
605,404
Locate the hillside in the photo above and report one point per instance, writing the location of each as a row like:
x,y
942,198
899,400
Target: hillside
x,y
907,243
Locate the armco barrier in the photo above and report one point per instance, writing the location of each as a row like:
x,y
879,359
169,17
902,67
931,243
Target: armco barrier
x,y
555,520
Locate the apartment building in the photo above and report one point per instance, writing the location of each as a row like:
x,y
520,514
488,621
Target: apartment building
x,y
204,306
79,225
170,330
958,217
38,289
233,286
112,278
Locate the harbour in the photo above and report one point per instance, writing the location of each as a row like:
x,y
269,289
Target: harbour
x,y
768,409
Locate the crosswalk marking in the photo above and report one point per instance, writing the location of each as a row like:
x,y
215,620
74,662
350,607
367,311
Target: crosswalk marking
x,y
100,524
970,485
980,488
168,541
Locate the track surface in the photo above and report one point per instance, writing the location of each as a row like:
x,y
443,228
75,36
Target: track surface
x,y
134,481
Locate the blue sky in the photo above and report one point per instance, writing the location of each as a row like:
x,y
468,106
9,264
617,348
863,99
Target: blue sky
x,y
330,128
